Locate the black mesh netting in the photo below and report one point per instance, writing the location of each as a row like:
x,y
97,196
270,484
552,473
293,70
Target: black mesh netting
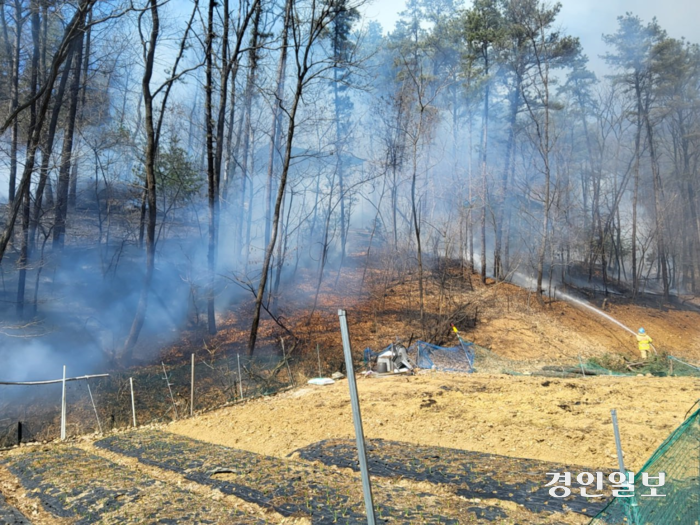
x,y
474,474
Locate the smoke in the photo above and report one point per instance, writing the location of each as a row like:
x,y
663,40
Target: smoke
x,y
412,149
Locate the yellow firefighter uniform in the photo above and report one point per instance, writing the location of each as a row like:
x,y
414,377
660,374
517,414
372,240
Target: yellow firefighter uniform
x,y
643,342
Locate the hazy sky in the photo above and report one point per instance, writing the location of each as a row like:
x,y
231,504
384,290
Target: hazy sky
x,y
589,19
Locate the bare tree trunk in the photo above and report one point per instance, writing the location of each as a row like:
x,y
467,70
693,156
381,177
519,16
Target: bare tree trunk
x,y
70,33
394,205
247,128
303,44
73,187
635,195
48,148
324,249
215,143
213,195
416,227
545,146
470,179
249,219
339,165
510,146
150,166
67,150
14,102
25,195
484,166
659,210
152,129
276,124
281,254
280,196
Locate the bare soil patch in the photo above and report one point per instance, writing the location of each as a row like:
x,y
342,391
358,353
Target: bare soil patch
x,y
558,420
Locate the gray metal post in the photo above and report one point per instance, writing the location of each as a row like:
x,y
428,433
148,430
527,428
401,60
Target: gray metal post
x,y
633,514
240,378
63,406
167,381
92,400
133,405
357,418
618,444
192,389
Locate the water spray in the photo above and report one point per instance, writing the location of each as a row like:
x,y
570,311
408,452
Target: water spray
x,y
529,282
567,297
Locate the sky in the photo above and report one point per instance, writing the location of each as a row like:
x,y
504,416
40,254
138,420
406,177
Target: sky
x,y
590,19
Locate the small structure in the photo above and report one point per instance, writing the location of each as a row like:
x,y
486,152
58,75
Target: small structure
x,y
396,358
392,360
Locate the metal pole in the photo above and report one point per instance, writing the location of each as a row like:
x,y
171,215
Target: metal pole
x,y
50,382
133,405
318,354
633,509
357,418
620,460
240,380
580,362
286,362
63,405
192,389
99,426
167,380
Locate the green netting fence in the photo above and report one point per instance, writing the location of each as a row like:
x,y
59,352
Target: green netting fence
x,y
661,365
678,367
679,459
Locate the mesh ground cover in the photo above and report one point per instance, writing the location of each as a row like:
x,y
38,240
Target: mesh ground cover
x,y
448,359
291,488
10,515
70,483
679,458
474,474
325,494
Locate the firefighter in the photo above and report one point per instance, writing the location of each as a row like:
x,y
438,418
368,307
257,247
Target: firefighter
x,y
643,343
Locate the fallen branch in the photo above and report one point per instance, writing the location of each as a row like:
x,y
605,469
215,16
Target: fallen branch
x,y
249,287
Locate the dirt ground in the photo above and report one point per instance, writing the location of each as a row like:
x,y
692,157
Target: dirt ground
x,y
514,325
559,420
564,421
511,322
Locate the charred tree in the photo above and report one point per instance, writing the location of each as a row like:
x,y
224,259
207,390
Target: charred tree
x,y
61,211
23,260
47,148
150,169
307,28
276,128
70,34
153,132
